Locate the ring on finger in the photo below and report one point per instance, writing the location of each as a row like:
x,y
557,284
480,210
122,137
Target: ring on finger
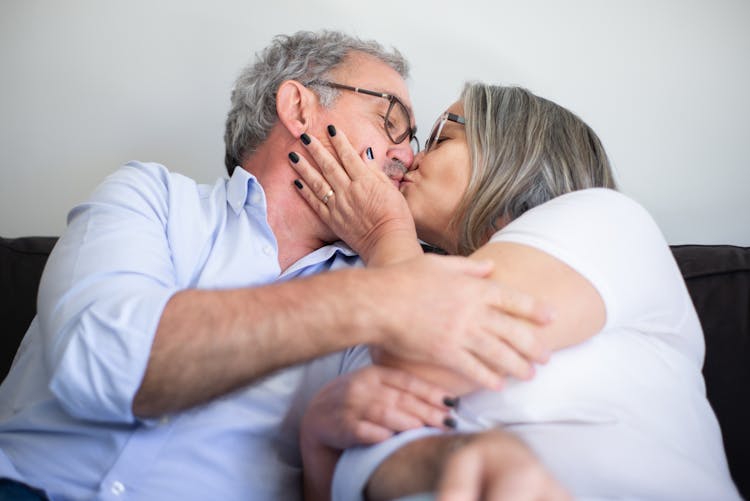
x,y
327,196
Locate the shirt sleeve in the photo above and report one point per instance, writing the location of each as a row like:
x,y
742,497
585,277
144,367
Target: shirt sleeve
x,y
103,291
358,463
615,244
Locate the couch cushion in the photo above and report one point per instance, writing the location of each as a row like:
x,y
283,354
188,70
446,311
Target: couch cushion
x,y
21,264
718,278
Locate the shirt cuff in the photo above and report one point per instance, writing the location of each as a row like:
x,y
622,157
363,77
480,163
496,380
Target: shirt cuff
x,y
358,463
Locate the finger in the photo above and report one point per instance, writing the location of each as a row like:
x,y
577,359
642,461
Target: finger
x,y
412,385
372,168
366,432
520,335
462,478
419,412
351,162
328,165
391,417
316,185
500,357
507,488
523,305
466,363
471,267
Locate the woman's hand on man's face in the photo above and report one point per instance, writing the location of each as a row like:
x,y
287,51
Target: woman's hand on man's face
x,y
356,199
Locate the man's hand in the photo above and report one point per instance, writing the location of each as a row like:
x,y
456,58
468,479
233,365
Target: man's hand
x,y
493,465
363,407
458,319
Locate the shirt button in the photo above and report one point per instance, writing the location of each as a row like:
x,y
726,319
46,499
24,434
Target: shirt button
x,y
164,420
117,488
255,198
267,250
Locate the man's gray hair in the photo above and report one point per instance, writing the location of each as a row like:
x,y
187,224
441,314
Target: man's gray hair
x,y
305,57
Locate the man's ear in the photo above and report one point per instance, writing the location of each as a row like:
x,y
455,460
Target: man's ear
x,y
295,104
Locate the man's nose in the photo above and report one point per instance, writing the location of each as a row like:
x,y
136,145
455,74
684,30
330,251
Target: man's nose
x,y
403,153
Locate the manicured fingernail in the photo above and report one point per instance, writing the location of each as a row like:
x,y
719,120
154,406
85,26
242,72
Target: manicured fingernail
x,y
450,422
305,139
450,401
369,153
293,157
298,184
331,130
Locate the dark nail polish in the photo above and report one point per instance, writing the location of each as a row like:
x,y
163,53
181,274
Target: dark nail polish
x,y
305,139
293,157
298,184
450,422
450,401
331,130
369,153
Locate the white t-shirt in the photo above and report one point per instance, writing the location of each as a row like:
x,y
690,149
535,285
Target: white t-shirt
x,y
623,415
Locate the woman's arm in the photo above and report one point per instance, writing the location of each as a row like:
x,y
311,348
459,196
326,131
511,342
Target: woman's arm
x,y
366,406
579,310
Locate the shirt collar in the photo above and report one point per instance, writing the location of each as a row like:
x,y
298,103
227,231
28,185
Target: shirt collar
x,y
325,253
240,187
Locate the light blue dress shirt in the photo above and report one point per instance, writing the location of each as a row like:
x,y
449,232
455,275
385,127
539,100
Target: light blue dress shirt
x,y
66,424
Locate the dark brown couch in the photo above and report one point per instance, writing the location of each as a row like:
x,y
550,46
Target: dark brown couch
x,y
718,277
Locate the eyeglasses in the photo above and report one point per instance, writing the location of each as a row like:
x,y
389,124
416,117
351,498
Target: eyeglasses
x,y
396,122
432,140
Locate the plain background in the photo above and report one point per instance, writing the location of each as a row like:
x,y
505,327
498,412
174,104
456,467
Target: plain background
x,y
86,85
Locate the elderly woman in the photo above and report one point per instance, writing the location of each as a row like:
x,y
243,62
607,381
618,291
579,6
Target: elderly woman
x,y
620,408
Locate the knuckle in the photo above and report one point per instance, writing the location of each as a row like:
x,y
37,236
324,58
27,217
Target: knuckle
x,y
378,413
360,430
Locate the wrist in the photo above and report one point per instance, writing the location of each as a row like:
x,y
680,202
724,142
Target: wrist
x,y
391,245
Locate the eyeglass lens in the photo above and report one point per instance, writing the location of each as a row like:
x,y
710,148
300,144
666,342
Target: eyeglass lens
x,y
435,132
397,122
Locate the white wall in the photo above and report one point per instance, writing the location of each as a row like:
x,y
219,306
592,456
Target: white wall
x,y
86,85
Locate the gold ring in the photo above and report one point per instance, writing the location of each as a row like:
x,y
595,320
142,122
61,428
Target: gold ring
x,y
327,196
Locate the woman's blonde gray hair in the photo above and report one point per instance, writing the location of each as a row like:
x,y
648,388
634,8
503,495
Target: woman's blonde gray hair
x,y
525,150
305,57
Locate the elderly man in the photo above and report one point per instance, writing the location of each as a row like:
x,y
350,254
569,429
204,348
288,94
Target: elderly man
x,y
183,328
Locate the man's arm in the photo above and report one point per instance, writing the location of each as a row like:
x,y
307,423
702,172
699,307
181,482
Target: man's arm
x,y
437,309
492,465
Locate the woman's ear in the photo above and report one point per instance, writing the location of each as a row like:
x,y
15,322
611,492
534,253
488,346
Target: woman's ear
x,y
294,105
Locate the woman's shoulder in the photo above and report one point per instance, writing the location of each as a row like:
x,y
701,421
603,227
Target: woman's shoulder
x,y
585,214
598,199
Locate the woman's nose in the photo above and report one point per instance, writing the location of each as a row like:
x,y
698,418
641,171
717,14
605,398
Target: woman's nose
x,y
415,162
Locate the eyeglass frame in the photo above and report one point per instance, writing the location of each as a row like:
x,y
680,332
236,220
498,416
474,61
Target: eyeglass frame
x,y
410,133
438,128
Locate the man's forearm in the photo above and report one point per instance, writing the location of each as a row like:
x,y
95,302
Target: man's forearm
x,y
209,343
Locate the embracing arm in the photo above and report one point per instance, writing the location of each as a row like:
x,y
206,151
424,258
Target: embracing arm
x,y
579,309
211,342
